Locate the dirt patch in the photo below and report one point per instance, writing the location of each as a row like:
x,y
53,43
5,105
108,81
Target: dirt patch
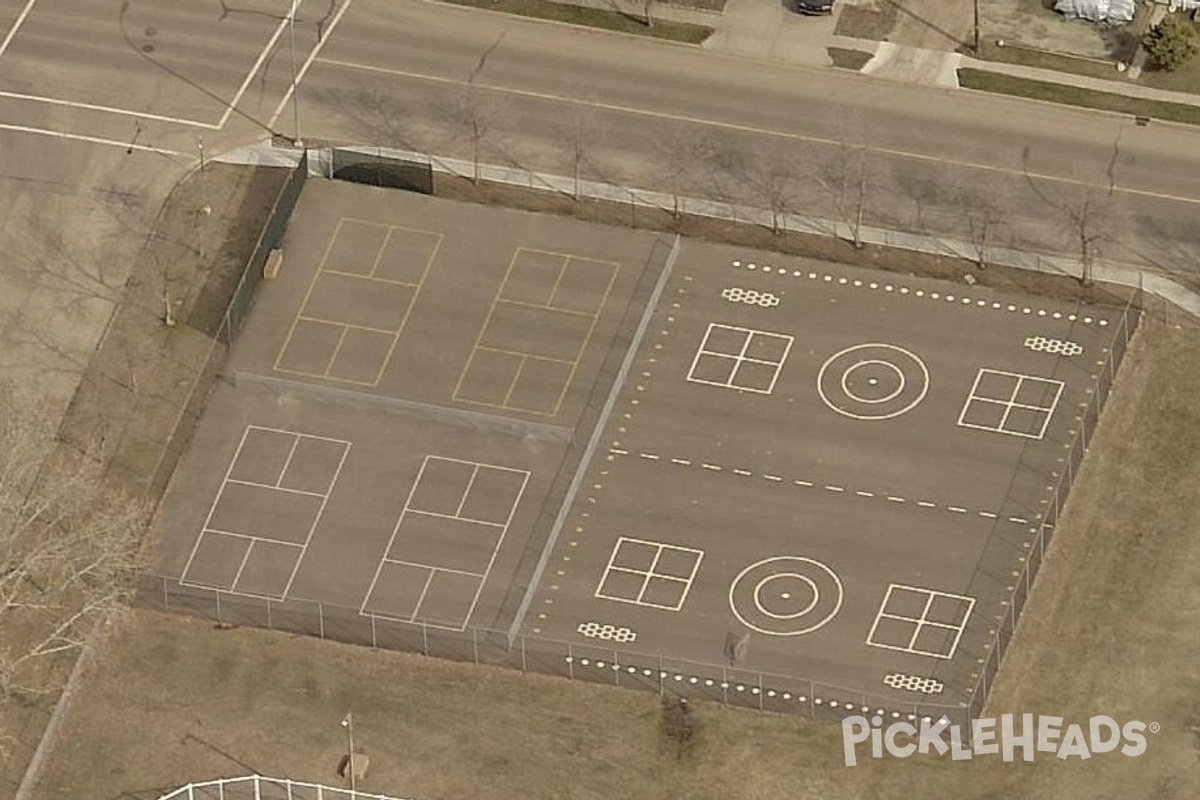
x,y
1035,24
874,20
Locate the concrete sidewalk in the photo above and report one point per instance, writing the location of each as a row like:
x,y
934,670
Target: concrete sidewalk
x,y
768,30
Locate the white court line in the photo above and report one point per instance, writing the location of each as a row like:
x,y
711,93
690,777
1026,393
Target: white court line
x,y
316,519
79,137
212,508
275,488
16,26
495,551
465,572
362,609
288,463
454,517
124,112
262,57
467,491
312,56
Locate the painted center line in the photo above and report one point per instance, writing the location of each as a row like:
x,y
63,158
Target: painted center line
x,y
833,489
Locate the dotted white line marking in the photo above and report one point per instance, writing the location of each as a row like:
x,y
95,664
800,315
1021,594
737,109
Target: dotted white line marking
x,y
615,451
649,456
682,461
773,478
742,472
803,483
894,499
1018,520
713,467
926,504
835,488
950,298
987,514
957,510
864,494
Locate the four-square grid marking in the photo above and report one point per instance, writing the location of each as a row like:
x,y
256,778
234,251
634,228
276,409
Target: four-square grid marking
x,y
649,573
1005,402
740,358
265,512
921,621
445,542
358,302
536,332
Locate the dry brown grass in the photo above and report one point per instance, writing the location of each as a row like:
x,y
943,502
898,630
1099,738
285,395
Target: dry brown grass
x,y
1109,629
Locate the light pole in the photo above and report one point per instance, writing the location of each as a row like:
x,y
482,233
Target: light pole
x,y
348,724
295,92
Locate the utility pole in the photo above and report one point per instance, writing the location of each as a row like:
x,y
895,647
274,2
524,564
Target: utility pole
x,y
348,724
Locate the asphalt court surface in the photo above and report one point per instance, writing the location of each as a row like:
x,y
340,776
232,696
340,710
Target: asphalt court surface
x,y
845,465
401,406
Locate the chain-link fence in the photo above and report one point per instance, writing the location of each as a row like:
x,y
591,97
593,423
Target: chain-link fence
x,y
597,663
1056,499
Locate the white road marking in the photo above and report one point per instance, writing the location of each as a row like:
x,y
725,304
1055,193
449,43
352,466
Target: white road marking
x,y
54,101
894,499
681,461
864,494
713,467
16,26
773,477
649,456
957,510
987,514
262,57
926,504
742,472
618,452
78,137
835,488
803,483
1018,520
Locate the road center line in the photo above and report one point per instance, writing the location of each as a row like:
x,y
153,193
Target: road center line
x,y
798,137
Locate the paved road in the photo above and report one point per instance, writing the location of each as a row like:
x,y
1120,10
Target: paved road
x,y
104,106
397,72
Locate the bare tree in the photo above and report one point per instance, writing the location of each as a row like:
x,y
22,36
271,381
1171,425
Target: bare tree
x,y
844,178
1088,210
472,117
986,210
773,179
69,545
578,130
679,153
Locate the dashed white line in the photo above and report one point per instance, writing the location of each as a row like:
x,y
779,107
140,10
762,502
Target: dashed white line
x,y
648,456
987,514
957,510
775,478
803,483
616,451
681,461
742,472
835,488
893,499
864,494
926,504
1018,520
713,467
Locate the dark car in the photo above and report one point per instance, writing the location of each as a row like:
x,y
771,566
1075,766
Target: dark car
x,y
814,7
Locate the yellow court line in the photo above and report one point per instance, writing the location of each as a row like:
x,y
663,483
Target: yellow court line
x,y
798,137
517,354
336,350
479,338
304,303
412,301
540,307
513,384
516,257
338,324
388,281
554,289
586,340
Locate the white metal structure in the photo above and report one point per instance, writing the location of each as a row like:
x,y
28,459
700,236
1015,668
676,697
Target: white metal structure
x,y
259,787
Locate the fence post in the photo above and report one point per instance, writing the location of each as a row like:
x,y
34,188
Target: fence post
x,y
424,639
321,618
523,665
218,597
475,645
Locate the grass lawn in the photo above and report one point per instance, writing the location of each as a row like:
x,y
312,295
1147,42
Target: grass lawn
x,y
848,59
1044,59
1109,629
594,18
1075,96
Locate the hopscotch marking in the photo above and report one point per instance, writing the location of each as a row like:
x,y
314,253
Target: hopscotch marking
x,y
1007,403
736,361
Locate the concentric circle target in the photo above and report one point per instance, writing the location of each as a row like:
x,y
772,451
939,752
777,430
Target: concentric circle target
x,y
785,595
873,381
